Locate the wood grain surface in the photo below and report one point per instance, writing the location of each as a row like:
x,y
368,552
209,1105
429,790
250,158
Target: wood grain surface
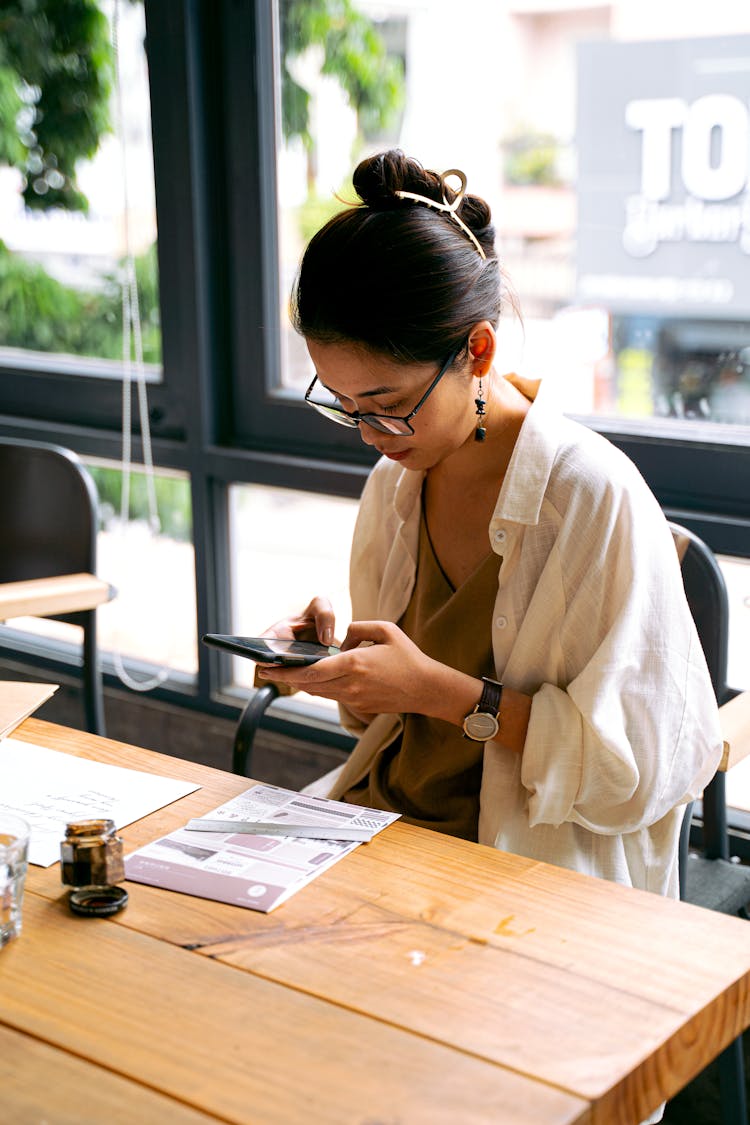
x,y
83,1092
468,959
229,1043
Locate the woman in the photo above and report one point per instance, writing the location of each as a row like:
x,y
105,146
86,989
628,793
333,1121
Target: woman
x,y
522,668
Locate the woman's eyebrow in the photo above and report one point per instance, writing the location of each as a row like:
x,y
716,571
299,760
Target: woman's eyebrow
x,y
363,394
378,391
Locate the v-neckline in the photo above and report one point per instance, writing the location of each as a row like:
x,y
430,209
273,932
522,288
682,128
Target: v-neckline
x,y
453,589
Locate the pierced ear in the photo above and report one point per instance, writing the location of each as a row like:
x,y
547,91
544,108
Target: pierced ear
x,y
479,347
481,363
482,347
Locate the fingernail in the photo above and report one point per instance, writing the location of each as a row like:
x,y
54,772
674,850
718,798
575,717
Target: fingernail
x,y
327,636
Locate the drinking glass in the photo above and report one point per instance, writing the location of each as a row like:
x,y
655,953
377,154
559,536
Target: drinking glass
x,y
14,846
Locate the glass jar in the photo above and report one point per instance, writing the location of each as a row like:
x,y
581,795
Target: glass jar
x,y
91,855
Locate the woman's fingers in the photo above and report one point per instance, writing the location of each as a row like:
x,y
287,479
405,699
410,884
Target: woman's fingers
x,y
281,629
321,612
379,669
315,623
374,632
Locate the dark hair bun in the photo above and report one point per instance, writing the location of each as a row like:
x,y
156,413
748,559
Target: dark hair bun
x,y
395,275
378,178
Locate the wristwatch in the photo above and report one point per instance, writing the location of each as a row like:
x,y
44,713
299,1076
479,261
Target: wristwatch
x,y
482,723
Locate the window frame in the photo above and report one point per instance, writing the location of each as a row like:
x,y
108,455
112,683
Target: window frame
x,y
215,415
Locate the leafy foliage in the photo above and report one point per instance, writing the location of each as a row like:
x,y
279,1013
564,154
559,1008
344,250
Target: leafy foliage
x,y
55,81
57,71
532,158
354,54
172,499
316,211
40,313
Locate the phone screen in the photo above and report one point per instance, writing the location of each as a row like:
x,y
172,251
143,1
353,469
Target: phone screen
x,y
272,650
299,648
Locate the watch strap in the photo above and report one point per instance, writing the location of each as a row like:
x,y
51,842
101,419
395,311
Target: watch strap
x,y
492,692
483,723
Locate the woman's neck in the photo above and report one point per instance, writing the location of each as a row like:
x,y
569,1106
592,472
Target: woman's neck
x,y
477,463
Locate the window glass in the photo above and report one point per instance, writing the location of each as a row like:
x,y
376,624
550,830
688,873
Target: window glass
x,y
612,143
152,618
69,163
738,786
341,92
286,548
737,577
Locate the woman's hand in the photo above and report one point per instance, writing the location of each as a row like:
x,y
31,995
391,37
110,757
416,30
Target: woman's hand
x,y
315,623
381,670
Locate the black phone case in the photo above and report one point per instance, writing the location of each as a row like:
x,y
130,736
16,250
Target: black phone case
x,y
251,652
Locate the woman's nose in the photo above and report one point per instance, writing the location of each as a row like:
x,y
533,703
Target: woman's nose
x,y
368,434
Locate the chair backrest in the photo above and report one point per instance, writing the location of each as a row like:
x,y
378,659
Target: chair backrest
x,y
706,593
48,513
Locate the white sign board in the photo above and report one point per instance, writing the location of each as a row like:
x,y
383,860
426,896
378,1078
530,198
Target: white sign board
x,y
664,176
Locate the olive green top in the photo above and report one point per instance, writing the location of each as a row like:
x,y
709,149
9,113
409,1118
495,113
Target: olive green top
x,y
431,773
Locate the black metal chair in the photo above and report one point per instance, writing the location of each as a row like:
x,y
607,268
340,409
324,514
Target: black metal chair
x,y
48,527
248,725
708,878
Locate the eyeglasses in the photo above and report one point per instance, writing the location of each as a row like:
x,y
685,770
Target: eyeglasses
x,y
386,423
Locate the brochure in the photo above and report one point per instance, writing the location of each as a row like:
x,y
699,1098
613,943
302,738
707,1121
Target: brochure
x,y
253,870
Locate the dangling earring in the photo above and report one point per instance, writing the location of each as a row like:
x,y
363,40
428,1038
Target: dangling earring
x,y
480,432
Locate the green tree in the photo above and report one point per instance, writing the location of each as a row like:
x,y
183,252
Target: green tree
x,y
56,79
55,82
172,500
39,313
532,159
353,53
56,74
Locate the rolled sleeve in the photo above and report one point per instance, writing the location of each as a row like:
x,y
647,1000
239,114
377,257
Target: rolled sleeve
x,y
635,732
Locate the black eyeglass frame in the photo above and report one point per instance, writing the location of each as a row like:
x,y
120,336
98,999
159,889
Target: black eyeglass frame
x,y
352,418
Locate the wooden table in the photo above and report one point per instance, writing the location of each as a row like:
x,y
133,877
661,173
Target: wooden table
x,y
420,980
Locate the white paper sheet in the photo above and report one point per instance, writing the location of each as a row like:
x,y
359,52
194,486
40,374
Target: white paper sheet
x,y
48,789
259,872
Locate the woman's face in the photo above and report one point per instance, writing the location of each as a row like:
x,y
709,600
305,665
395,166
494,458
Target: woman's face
x,y
372,383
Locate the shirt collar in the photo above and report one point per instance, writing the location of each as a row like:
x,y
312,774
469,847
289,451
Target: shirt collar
x,y
528,473
407,493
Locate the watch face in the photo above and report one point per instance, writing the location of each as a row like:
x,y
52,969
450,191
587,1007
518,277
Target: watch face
x,y
481,726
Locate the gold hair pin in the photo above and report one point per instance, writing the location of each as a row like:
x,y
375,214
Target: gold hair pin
x,y
445,206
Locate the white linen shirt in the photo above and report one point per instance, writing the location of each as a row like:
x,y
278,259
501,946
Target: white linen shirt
x,y
591,620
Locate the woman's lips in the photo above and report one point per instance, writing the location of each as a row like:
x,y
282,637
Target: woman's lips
x,y
395,455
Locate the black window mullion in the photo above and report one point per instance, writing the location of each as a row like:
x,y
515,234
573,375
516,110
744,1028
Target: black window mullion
x,y
263,414
189,142
248,45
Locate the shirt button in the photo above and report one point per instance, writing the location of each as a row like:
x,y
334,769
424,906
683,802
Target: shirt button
x,y
501,536
501,622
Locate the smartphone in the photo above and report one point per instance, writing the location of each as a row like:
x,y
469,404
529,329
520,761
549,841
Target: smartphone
x,y
272,650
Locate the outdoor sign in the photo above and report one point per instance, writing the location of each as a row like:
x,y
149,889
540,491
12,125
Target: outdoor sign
x,y
664,176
